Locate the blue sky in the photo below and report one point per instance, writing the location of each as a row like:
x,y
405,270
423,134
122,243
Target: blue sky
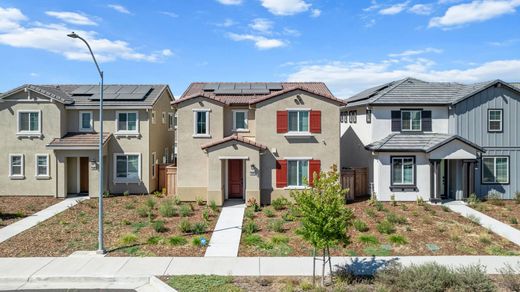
x,y
350,44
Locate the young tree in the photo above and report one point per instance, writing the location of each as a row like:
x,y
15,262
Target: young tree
x,y
324,217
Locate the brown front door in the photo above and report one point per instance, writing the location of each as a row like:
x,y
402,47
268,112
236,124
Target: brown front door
x,y
83,175
235,179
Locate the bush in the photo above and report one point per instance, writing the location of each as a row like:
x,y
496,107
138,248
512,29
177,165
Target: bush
x,y
397,239
368,239
473,278
200,201
280,203
252,203
185,210
517,197
159,226
129,238
253,240
420,201
185,226
395,219
144,211
494,198
249,213
280,239
150,202
473,200
360,225
197,241
199,227
288,216
385,227
205,214
250,227
276,225
268,211
379,206
176,200
154,240
510,277
167,209
177,240
370,212
513,220
213,206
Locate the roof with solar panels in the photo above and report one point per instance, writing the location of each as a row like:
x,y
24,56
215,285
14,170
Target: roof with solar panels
x,y
245,93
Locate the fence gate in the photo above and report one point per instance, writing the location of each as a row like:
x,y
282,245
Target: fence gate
x,y
356,181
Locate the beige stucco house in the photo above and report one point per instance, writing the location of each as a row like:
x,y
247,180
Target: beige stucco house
x,y
50,138
254,140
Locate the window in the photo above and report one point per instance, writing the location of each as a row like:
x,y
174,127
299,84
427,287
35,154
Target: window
x,y
298,121
42,165
350,117
171,121
153,117
16,165
403,171
29,122
201,123
127,167
354,117
240,120
174,153
411,120
153,164
495,170
85,121
163,118
297,172
369,116
127,122
343,117
495,120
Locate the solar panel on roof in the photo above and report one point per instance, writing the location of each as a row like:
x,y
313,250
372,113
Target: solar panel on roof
x,y
258,86
226,86
210,86
142,89
228,91
243,86
127,89
111,88
255,91
274,86
82,89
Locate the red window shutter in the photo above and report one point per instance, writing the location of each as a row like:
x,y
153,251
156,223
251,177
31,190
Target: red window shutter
x,y
281,173
315,123
282,121
314,167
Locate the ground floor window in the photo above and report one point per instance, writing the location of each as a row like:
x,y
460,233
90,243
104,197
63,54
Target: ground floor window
x,y
16,165
127,166
403,170
297,172
42,165
495,170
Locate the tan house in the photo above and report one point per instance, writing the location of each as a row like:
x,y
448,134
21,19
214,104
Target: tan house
x,y
254,140
50,138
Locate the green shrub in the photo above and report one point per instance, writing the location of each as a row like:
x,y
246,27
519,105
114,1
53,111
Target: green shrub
x,y
129,238
484,239
404,207
513,220
185,210
288,216
210,283
473,200
379,206
126,193
177,240
143,211
249,213
250,227
213,206
509,276
158,194
397,239
137,226
494,198
150,202
199,227
392,199
159,226
253,240
420,201
370,213
167,209
185,226
473,278
197,241
499,251
360,225
368,239
395,219
385,227
280,203
176,200
205,214
276,225
200,201
154,240
253,204
129,206
268,211
280,239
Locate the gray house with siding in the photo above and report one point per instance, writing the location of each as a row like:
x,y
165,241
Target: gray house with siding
x,y
435,140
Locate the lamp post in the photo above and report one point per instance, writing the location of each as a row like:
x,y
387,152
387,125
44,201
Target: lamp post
x,y
101,245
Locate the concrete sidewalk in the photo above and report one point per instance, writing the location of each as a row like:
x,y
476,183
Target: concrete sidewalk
x,y
30,221
226,237
487,222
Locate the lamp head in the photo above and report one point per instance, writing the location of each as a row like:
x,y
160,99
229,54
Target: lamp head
x,y
73,35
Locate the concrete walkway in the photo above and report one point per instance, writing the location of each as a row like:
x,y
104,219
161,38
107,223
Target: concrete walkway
x,y
30,221
487,222
226,237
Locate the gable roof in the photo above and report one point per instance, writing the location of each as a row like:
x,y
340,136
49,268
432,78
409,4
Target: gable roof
x,y
237,95
415,91
400,142
234,138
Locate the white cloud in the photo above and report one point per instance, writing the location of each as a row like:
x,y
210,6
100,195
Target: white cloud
x,y
71,17
421,9
475,11
348,78
119,8
291,32
408,53
169,13
394,9
262,25
228,22
53,38
285,7
261,42
34,74
230,2
315,13
504,43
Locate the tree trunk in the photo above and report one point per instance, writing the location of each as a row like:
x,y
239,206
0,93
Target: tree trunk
x,y
323,270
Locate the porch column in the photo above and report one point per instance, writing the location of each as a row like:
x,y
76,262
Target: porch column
x,y
436,180
464,179
471,170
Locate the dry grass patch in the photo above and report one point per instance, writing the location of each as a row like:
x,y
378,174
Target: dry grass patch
x,y
508,211
13,209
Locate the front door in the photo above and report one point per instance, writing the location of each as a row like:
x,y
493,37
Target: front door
x,y
235,179
83,175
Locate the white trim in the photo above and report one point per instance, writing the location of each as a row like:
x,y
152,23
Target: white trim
x,y
41,176
117,180
233,157
126,132
163,117
81,129
297,158
298,131
201,135
299,134
411,121
301,183
37,133
154,157
489,120
402,183
201,109
22,167
246,116
171,121
226,179
495,169
153,117
78,174
298,109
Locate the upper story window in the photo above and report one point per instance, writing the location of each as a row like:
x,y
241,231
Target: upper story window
x,y
369,116
16,166
127,122
495,120
85,122
163,118
201,123
171,121
354,117
153,117
127,167
403,170
495,170
411,120
29,122
343,117
298,121
240,120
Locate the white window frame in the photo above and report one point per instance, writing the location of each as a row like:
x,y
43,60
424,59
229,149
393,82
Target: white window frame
x,y
126,180
22,166
501,120
171,122
411,119
153,117
19,132
402,183
163,118
495,170
154,157
136,131
201,135
298,160
246,116
299,131
46,174
81,129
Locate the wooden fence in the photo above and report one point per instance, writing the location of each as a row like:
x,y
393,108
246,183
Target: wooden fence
x,y
168,179
356,181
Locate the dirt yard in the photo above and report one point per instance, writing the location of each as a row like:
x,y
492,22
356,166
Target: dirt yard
x,y
13,209
503,210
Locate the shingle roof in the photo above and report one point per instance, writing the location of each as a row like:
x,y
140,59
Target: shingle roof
x,y
400,142
74,139
414,91
196,89
234,138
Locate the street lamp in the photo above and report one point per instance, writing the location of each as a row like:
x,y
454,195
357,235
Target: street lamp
x,y
101,245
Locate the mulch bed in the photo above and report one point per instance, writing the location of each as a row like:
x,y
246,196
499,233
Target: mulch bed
x,y
427,228
503,210
127,232
13,209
